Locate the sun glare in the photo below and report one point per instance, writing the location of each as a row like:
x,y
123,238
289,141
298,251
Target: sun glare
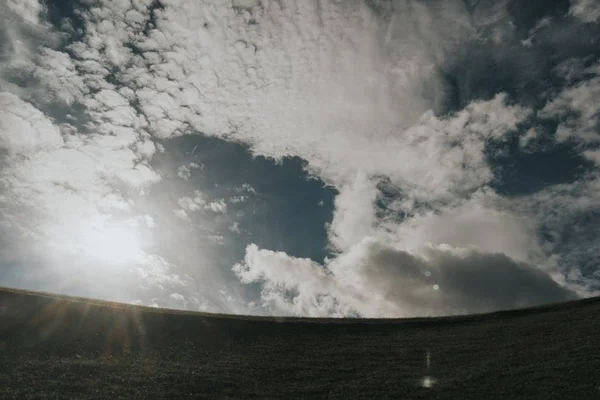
x,y
112,242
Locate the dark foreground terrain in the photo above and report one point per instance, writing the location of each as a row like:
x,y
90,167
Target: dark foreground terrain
x,y
58,347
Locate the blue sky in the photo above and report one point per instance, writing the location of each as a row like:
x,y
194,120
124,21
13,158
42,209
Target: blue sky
x,y
315,158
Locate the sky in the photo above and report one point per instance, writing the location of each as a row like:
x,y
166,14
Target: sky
x,y
323,158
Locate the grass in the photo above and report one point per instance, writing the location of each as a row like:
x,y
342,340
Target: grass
x,y
61,347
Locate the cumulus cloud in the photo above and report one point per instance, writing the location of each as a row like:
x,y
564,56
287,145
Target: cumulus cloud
x,y
218,206
374,279
192,203
24,129
198,203
185,171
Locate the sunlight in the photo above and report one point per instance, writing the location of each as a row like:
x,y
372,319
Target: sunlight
x,y
111,242
428,382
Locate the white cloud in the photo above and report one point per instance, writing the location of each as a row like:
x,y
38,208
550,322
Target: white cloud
x,y
195,203
181,214
66,176
60,175
179,300
576,108
23,29
481,222
235,228
237,199
247,191
28,10
149,221
374,279
218,206
354,216
334,91
218,239
246,187
340,94
185,171
526,140
593,155
156,270
24,129
586,10
198,203
58,78
57,183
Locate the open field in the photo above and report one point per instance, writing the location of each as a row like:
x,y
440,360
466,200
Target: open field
x,y
60,347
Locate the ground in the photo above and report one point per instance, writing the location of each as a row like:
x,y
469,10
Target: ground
x,y
59,347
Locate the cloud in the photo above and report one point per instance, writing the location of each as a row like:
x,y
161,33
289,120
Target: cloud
x,y
237,199
23,30
563,216
586,10
576,109
374,279
198,203
247,191
335,79
332,98
179,300
58,181
247,188
593,155
24,129
155,270
354,216
235,228
185,171
28,10
363,91
218,206
195,203
481,222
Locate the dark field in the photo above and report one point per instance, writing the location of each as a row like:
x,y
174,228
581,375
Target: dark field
x,y
57,347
